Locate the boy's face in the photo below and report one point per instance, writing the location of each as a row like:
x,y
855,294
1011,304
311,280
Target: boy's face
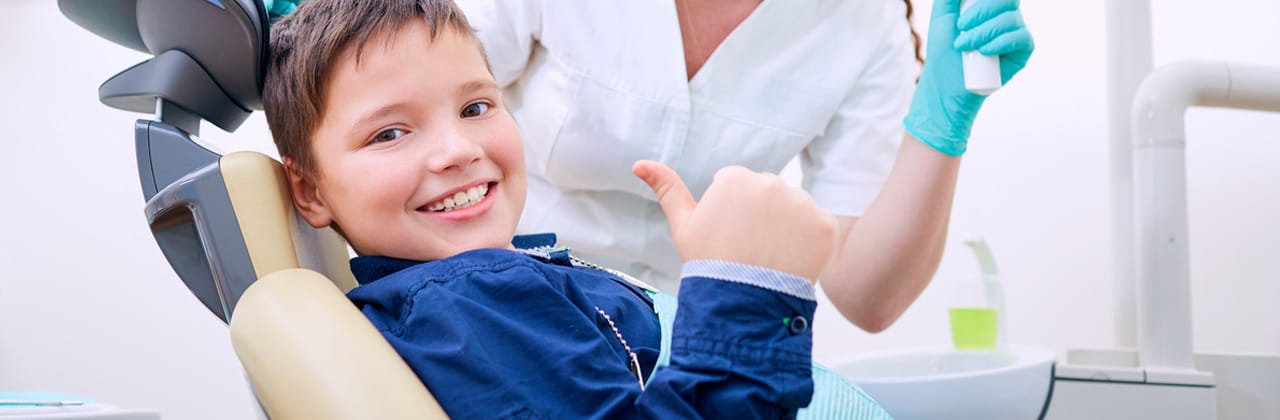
x,y
416,156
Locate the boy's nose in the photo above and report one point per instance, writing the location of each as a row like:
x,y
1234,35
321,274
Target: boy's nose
x,y
454,151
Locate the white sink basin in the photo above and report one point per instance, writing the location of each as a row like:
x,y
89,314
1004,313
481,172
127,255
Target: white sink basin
x,y
942,383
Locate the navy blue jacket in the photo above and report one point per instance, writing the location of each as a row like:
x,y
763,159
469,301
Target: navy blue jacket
x,y
502,334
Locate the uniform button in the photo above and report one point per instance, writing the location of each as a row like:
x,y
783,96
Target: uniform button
x,y
798,325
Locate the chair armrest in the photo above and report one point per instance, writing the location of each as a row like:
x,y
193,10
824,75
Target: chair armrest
x,y
311,355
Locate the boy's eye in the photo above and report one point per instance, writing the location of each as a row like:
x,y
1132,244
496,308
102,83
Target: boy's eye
x,y
475,110
387,135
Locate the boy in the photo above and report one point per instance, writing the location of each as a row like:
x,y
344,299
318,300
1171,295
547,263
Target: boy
x,y
392,130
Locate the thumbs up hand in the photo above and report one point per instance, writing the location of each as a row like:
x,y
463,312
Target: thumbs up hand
x,y
744,217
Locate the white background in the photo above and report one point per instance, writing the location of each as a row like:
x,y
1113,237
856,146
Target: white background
x,y
89,306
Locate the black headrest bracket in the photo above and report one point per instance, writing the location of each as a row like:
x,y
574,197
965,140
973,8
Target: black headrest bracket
x,y
174,77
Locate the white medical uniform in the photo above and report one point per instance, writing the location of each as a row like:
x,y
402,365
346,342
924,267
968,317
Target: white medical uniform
x,y
596,85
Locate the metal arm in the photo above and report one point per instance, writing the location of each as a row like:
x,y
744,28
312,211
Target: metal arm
x,y
1160,191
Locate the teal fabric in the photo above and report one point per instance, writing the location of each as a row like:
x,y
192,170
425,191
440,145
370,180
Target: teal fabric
x,y
278,8
942,111
665,306
834,397
24,398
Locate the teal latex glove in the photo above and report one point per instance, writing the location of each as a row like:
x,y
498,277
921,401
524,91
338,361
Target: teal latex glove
x,y
942,111
278,8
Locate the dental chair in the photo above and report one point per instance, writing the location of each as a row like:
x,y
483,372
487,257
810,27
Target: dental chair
x,y
226,224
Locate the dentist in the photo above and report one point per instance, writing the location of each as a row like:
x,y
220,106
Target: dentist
x,y
698,85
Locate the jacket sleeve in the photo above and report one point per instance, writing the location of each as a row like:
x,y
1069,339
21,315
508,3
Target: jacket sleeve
x,y
519,342
741,347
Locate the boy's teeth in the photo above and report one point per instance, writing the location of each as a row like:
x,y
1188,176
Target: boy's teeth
x,y
461,199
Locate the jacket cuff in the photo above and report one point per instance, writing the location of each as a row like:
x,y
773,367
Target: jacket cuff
x,y
764,278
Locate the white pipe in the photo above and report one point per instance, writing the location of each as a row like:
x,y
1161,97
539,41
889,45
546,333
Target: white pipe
x,y
1128,62
1160,191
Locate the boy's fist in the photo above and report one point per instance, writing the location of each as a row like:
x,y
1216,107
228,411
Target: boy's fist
x,y
745,217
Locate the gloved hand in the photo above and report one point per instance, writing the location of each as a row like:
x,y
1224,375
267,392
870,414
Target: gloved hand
x,y
278,8
942,111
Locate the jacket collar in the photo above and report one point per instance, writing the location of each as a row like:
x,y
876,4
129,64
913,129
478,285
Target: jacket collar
x,y
368,268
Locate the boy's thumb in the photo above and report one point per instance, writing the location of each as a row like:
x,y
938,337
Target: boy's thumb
x,y
674,197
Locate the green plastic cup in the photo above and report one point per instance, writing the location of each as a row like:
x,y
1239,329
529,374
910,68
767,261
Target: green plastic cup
x,y
973,328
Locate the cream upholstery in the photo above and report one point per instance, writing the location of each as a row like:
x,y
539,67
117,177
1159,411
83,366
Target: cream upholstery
x,y
309,352
311,355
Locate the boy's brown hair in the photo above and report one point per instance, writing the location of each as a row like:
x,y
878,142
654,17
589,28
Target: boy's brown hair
x,y
304,46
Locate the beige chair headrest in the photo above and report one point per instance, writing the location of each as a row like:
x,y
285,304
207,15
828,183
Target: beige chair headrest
x,y
275,236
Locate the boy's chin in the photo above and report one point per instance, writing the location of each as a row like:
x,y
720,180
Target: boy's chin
x,y
455,249
425,246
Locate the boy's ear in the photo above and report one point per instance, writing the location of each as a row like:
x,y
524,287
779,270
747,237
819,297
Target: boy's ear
x,y
306,196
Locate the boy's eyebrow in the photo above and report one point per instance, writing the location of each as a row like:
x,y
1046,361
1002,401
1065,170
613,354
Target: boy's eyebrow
x,y
478,84
369,118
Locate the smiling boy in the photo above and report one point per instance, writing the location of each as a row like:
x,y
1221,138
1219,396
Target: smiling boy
x,y
393,131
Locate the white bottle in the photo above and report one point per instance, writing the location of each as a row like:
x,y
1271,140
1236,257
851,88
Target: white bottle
x,y
981,72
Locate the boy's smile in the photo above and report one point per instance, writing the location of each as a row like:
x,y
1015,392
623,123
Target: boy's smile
x,y
416,156
463,204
